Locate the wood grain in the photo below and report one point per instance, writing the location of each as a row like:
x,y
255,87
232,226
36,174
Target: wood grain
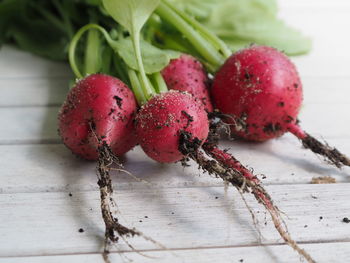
x,y
48,223
323,253
186,210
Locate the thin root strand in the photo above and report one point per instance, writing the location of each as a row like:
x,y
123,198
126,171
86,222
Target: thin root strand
x,y
332,154
231,170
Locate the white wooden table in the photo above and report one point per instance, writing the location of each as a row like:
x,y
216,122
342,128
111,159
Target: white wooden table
x,y
185,210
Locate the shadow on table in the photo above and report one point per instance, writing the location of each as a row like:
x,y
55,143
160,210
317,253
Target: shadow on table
x,y
72,169
306,160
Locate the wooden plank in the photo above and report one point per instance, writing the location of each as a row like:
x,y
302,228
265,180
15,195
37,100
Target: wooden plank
x,y
32,125
18,64
39,124
47,223
326,90
52,168
33,92
340,252
52,91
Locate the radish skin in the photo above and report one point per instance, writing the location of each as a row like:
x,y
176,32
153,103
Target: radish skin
x,y
160,121
187,74
261,91
98,107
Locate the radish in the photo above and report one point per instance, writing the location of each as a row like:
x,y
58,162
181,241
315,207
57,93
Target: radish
x,y
259,87
160,122
187,74
99,108
95,123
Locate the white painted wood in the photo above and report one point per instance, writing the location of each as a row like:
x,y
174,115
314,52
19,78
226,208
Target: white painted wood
x,y
18,64
48,223
38,217
326,253
32,124
33,92
52,168
323,90
52,91
39,124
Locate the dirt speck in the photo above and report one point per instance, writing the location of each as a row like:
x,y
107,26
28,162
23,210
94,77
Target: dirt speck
x,y
119,101
346,220
323,180
81,230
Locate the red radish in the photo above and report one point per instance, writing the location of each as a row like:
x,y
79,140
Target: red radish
x,y
173,125
187,74
161,120
99,108
261,89
96,120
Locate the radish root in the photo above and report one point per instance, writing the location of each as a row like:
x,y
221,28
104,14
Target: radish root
x,y
332,154
113,227
230,170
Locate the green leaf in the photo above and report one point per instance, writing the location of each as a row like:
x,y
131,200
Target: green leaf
x,y
242,22
132,14
154,59
255,21
39,38
272,33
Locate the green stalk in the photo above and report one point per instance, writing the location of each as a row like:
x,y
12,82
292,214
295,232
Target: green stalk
x,y
201,44
107,55
136,87
139,81
211,37
147,90
159,82
92,62
120,69
75,40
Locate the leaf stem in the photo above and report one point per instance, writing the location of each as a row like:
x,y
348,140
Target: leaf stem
x,y
92,53
146,88
159,82
201,44
75,40
214,40
136,87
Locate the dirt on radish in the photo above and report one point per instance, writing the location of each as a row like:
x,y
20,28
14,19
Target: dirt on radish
x,y
260,89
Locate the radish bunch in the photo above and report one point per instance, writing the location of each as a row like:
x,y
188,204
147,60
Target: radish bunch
x,y
165,106
257,90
